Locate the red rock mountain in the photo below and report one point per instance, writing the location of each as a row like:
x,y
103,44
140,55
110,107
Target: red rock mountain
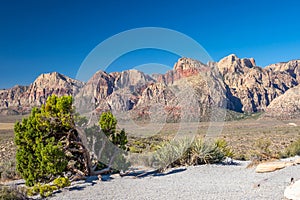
x,y
191,87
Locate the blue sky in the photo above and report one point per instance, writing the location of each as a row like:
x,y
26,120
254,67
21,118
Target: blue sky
x,y
51,35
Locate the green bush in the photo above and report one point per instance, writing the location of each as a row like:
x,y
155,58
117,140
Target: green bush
x,y
206,152
44,190
292,150
223,146
262,152
108,143
40,153
62,182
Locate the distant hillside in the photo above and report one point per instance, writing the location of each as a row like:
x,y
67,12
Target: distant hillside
x,y
193,87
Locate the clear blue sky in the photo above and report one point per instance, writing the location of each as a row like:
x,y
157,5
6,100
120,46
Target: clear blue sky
x,y
50,35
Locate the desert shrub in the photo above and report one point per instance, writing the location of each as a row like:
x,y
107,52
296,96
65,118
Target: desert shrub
x,y
62,182
8,170
171,154
11,193
223,146
44,190
40,154
206,152
108,143
262,152
182,152
292,150
143,145
48,143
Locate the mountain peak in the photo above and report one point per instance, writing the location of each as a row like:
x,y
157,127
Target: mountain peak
x,y
233,64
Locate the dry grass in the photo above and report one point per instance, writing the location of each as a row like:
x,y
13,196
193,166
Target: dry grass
x,y
6,126
241,135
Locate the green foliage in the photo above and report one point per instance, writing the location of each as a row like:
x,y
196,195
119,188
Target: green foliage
x,y
108,143
292,150
108,124
143,145
45,190
62,182
11,193
171,154
223,146
40,155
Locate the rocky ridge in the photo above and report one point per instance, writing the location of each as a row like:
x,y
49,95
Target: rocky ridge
x,y
193,87
23,98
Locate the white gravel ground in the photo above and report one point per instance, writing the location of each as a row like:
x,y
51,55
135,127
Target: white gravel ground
x,y
199,182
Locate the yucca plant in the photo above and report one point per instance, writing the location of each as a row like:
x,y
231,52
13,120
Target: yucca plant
x,y
205,153
182,152
171,154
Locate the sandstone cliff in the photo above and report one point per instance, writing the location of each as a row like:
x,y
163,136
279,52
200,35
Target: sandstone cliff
x,y
251,88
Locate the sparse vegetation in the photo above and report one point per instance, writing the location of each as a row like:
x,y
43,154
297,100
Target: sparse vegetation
x,y
62,182
239,137
262,152
11,193
45,190
8,170
292,150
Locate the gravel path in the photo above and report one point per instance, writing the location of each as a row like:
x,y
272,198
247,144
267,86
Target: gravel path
x,y
199,182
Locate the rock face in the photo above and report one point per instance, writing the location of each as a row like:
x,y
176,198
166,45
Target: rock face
x,y
251,88
191,87
12,97
286,106
115,91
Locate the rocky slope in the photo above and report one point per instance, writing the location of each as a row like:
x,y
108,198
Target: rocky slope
x,y
287,106
191,88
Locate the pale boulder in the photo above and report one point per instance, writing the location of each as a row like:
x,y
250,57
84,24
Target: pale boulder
x,y
292,191
272,166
